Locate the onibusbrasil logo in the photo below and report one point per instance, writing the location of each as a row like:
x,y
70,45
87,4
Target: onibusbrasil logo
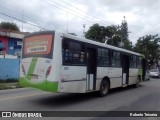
x,y
21,114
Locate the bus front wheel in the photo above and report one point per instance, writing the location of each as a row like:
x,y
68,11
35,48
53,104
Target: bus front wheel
x,y
104,88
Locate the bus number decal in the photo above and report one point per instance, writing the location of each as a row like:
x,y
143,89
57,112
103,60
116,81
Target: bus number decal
x,y
66,68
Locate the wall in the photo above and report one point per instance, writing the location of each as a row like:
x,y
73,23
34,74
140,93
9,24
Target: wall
x,y
9,68
8,56
13,47
5,42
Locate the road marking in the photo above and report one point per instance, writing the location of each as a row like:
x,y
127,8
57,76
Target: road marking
x,y
23,96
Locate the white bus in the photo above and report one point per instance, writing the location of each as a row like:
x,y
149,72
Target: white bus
x,y
59,62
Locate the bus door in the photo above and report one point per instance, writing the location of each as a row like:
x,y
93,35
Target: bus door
x,y
125,69
91,68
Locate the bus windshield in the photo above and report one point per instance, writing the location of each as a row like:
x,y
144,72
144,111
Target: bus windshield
x,y
38,46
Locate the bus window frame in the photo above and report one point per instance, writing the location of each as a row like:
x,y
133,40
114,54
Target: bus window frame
x,y
73,53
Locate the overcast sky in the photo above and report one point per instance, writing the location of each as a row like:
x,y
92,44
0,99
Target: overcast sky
x,y
143,16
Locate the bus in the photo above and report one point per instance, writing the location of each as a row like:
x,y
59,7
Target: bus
x,y
60,62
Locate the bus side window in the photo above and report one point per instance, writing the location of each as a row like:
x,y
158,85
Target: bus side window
x,y
73,52
133,61
139,62
66,54
103,57
82,57
115,59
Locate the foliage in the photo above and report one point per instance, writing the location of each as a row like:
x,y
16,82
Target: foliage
x,y
124,29
148,46
124,35
113,33
96,33
9,26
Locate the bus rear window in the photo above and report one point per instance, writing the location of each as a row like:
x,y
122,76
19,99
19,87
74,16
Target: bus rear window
x,y
38,46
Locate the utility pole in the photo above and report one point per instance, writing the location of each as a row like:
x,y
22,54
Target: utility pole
x,y
84,25
67,19
22,19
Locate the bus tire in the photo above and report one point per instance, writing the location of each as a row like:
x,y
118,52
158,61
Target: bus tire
x,y
138,82
104,88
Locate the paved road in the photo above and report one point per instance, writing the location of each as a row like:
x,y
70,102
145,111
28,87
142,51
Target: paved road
x,y
144,98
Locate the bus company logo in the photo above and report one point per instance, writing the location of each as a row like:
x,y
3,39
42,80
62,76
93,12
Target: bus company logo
x,y
20,114
6,114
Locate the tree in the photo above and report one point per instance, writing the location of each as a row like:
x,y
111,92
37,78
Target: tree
x,y
124,29
125,35
99,33
96,33
113,33
148,46
9,26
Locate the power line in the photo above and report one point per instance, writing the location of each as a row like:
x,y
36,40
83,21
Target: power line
x,y
23,21
58,6
68,12
10,10
77,8
71,9
81,16
83,12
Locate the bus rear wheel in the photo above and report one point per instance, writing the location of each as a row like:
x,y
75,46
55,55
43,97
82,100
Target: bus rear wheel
x,y
138,82
104,88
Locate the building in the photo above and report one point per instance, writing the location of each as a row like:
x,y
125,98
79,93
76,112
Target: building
x,y
10,51
11,42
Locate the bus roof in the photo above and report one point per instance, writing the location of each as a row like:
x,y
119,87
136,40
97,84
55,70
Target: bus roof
x,y
86,40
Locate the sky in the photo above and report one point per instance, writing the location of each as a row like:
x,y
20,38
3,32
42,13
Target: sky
x,y
142,16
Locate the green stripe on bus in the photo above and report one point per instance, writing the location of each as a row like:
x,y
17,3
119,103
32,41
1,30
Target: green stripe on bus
x,y
31,68
140,73
51,86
